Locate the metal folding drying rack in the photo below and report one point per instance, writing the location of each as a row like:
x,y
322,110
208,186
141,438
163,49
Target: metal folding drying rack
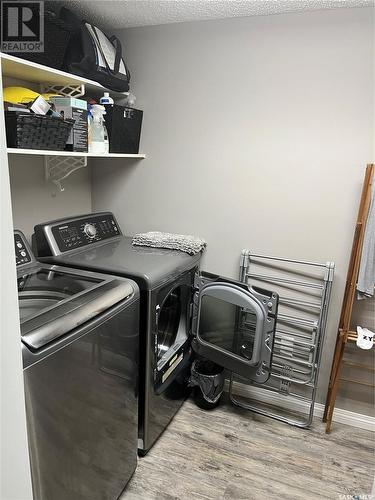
x,y
304,289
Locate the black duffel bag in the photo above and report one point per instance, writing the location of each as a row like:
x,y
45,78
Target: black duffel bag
x,y
94,55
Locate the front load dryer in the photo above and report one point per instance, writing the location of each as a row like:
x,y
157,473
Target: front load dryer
x,y
181,311
165,278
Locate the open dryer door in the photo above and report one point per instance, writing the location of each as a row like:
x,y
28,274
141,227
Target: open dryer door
x,y
234,326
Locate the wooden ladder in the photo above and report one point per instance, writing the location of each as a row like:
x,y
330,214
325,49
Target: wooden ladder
x,y
344,333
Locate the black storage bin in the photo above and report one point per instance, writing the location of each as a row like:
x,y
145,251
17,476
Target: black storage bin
x,y
57,34
124,128
30,131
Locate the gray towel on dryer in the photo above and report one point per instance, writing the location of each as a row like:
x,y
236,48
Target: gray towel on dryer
x,y
366,275
185,243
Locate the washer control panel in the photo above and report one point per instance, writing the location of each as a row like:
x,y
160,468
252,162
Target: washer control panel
x,y
79,233
22,254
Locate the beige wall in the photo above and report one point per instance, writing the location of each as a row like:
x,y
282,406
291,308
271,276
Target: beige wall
x,y
257,132
35,200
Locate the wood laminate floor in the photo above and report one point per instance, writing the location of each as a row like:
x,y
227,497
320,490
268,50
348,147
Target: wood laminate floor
x,y
234,454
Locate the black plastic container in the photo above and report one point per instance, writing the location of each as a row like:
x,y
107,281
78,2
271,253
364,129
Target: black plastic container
x,y
124,128
30,131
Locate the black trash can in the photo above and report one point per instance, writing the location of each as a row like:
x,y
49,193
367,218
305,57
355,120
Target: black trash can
x,y
207,378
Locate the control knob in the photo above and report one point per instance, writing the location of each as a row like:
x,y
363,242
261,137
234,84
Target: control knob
x,y
90,230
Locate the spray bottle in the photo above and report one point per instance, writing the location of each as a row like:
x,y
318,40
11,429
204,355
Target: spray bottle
x,y
97,132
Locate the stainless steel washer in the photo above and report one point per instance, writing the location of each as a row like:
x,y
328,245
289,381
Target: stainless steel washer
x,y
80,357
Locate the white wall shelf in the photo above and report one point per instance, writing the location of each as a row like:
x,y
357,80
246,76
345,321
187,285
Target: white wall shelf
x,y
15,67
45,152
58,164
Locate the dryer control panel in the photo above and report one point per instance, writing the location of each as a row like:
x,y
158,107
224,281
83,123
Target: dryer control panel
x,y
21,251
77,233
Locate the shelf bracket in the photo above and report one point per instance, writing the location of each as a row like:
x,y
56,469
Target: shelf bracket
x,y
69,90
58,168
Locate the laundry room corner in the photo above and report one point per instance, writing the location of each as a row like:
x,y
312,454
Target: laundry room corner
x,y
251,141
187,194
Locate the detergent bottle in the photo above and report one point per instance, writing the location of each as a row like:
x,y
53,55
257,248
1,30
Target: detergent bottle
x,y
97,132
106,99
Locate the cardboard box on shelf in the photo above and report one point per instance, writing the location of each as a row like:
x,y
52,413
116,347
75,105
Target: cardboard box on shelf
x,y
70,107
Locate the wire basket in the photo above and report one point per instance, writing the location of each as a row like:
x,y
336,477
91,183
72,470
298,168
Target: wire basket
x,y
31,131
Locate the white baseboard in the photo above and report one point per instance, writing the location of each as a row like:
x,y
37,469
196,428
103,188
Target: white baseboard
x,y
339,415
347,417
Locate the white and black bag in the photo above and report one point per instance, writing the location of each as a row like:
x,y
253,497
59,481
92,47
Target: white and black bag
x,y
94,55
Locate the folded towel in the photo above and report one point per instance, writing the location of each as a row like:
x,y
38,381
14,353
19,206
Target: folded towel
x,y
185,243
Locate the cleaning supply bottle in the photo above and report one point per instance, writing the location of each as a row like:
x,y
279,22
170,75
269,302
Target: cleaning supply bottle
x,y
97,143
106,139
106,99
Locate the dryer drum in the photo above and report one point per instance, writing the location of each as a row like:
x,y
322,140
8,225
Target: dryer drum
x,y
168,323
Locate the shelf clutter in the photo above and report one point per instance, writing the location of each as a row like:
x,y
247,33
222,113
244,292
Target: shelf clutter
x,y
71,97
122,137
345,334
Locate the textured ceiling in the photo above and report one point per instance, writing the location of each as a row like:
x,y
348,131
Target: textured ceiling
x,y
118,14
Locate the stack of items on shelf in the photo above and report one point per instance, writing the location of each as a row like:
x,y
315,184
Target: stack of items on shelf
x,y
79,47
55,122
32,122
61,122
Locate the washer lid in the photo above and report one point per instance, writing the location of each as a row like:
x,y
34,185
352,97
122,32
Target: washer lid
x,y
53,302
44,287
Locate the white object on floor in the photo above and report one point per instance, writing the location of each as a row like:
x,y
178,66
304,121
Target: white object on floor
x,y
365,338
